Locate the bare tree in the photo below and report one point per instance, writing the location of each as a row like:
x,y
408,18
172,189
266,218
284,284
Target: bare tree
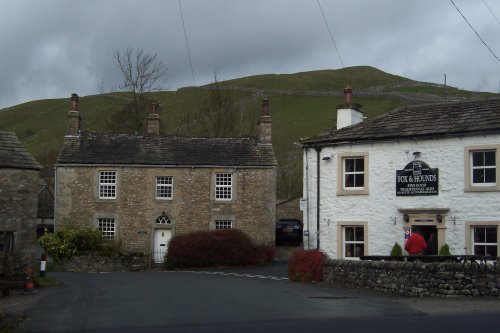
x,y
218,116
289,173
142,73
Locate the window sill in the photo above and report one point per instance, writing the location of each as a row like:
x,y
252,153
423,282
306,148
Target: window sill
x,y
352,192
482,189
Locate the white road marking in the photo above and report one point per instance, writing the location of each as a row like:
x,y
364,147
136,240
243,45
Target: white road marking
x,y
275,278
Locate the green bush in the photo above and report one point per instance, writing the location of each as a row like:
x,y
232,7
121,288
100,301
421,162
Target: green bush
x,y
396,250
444,250
306,265
69,240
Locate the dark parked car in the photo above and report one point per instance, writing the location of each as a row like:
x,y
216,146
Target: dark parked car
x,y
288,231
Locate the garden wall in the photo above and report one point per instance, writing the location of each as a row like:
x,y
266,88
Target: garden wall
x,y
94,263
415,278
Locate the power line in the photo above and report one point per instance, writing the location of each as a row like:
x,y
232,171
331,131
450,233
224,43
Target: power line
x,y
475,31
330,32
187,44
493,14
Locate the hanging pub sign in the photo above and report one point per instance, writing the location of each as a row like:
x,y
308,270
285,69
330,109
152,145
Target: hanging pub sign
x,y
417,178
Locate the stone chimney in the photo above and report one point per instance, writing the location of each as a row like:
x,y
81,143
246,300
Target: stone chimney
x,y
349,113
73,119
265,124
154,120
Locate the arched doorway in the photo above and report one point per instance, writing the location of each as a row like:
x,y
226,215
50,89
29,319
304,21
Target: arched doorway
x,y
162,235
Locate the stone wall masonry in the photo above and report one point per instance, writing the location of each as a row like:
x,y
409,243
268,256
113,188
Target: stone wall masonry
x,y
95,263
414,278
192,207
18,210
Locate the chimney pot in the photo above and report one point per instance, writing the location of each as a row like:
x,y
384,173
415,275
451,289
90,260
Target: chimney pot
x,y
74,102
73,120
348,94
348,114
154,108
265,123
154,120
265,107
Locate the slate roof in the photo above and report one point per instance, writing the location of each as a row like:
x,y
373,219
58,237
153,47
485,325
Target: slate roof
x,y
13,154
419,122
128,149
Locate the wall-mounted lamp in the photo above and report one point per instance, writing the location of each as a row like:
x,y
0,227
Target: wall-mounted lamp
x,y
406,217
416,154
439,218
327,158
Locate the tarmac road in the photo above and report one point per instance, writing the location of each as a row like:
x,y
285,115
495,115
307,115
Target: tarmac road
x,y
243,300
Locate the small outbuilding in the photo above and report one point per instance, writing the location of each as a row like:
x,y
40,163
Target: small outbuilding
x,y
19,190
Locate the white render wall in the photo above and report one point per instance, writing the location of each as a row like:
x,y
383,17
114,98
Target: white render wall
x,y
380,207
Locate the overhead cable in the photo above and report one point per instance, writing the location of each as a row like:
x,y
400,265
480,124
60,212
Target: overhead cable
x,y
330,32
187,44
475,31
493,14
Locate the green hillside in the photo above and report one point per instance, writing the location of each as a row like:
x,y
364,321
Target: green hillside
x,y
301,104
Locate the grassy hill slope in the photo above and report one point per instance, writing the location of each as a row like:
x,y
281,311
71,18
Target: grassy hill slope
x,y
301,105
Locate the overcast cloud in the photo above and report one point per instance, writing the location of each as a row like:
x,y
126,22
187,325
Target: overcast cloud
x,y
52,48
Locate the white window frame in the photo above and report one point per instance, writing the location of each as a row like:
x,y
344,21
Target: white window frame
x,y
107,184
107,225
469,185
349,242
164,185
481,167
341,244
357,161
223,190
474,243
469,234
341,173
223,224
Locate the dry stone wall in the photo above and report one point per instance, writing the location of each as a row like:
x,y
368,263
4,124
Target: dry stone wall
x,y
95,263
415,278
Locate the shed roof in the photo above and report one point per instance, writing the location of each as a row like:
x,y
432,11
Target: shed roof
x,y
129,149
420,122
13,154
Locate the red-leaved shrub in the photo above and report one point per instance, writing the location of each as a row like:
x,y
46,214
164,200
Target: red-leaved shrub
x,y
265,254
306,265
230,247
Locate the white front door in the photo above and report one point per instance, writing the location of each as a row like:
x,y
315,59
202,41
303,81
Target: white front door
x,y
162,237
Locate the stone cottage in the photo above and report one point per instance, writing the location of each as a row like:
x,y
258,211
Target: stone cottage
x,y
19,187
433,167
144,189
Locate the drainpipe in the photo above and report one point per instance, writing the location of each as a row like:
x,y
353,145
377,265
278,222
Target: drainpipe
x,y
318,151
55,197
306,191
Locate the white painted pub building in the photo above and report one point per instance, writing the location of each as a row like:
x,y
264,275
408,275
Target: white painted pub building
x,y
435,168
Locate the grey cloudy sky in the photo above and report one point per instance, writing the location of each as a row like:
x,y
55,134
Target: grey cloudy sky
x,y
52,48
